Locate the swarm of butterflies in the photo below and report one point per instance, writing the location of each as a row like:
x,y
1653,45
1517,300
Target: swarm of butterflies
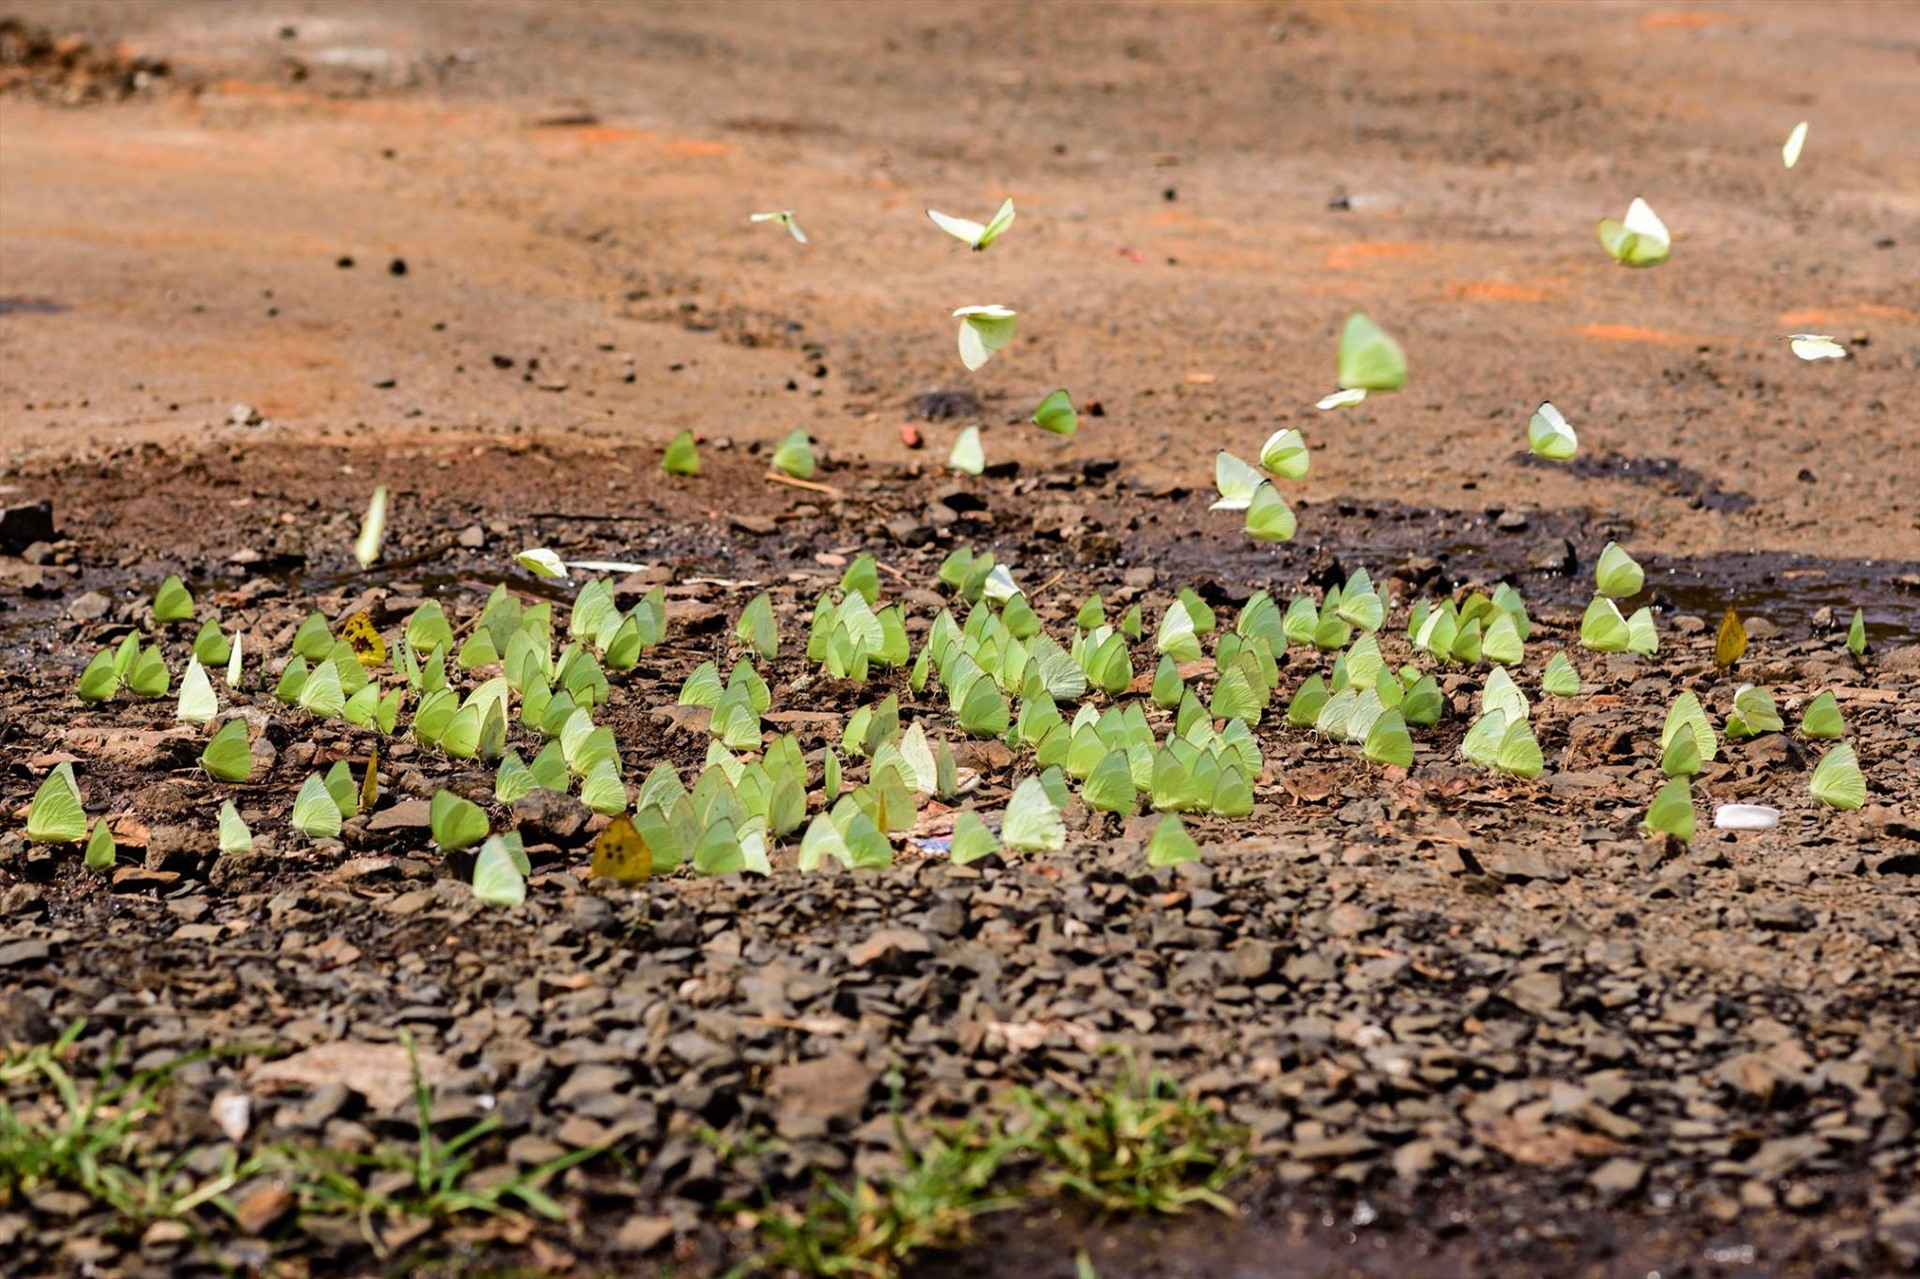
x,y
1004,678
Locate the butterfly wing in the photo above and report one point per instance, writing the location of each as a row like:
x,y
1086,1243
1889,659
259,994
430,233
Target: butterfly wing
x,y
962,229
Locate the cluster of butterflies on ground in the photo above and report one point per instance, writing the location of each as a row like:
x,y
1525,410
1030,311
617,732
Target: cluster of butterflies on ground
x,y
995,655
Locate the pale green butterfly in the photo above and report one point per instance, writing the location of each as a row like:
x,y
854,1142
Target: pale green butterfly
x,y
1837,781
1754,712
1032,822
197,702
1109,788
456,823
983,331
1560,678
322,693
541,562
373,529
1641,239
1549,436
1815,346
1616,574
971,838
1519,752
1369,359
1822,717
1177,637
173,602
1056,413
100,680
234,835
1236,481
1686,716
973,234
1285,454
794,455
1388,742
56,816
315,814
1481,744
602,790
1671,812
1641,636
1857,633
1269,518
101,852
682,455
1171,845
785,218
968,455
1502,694
499,876
1790,149
229,756
234,663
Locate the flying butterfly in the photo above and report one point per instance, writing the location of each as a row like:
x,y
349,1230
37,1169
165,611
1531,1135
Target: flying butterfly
x,y
975,235
785,218
1640,239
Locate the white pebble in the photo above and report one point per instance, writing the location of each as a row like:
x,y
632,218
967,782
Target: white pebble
x,y
1745,817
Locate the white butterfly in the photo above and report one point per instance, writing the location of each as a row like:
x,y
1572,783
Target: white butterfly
x,y
785,218
976,236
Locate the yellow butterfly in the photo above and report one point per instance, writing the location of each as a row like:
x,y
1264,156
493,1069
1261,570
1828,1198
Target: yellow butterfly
x,y
620,854
361,636
370,787
1731,643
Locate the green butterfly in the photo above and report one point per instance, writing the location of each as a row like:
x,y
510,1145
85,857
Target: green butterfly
x,y
173,602
1269,518
1285,454
975,235
1560,679
1822,718
984,331
1615,573
229,755
682,456
1388,741
1171,845
785,218
1671,812
1641,239
197,701
500,872
234,835
101,852
1369,359
1549,436
794,455
456,823
56,816
1056,413
316,814
969,456
1837,781
1032,822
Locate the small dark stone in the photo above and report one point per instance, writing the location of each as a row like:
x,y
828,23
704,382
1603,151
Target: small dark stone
x,y
22,526
397,267
548,817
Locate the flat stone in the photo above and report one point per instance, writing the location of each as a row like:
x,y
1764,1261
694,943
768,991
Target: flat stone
x,y
24,954
408,814
1537,993
548,817
1618,1176
90,607
890,949
639,1234
1518,865
814,1095
261,1207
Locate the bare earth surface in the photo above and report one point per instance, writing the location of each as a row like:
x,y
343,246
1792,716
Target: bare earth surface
x,y
257,258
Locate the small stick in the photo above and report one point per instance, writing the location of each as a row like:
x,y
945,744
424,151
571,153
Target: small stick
x,y
781,477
